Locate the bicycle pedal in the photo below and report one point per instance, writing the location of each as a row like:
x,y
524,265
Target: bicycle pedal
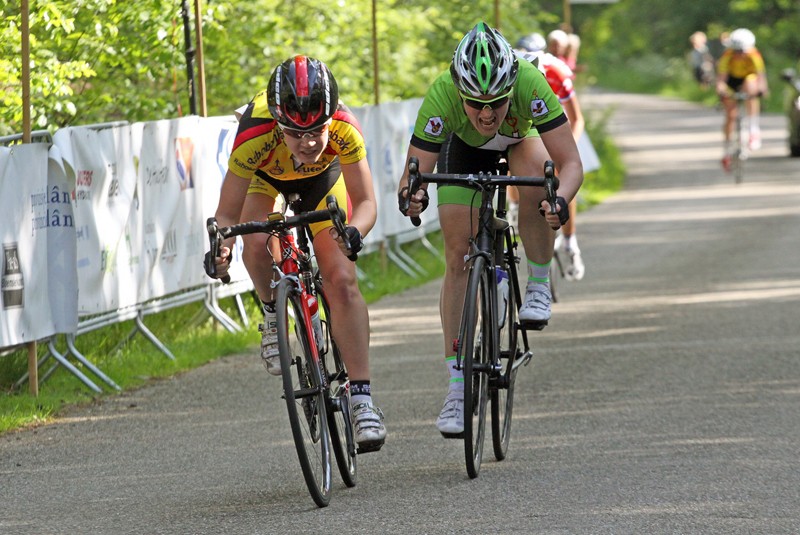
x,y
453,435
533,325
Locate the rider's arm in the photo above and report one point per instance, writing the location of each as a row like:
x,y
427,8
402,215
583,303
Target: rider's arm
x,y
761,73
563,151
722,74
576,121
358,180
229,209
231,199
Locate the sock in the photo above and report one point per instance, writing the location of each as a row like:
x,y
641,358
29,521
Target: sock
x,y
360,392
456,376
754,127
538,273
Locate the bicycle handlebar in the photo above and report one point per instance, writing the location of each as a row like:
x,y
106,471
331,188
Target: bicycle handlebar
x,y
275,222
482,180
337,216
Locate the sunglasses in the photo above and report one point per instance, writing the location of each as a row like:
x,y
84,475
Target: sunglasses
x,y
477,104
303,134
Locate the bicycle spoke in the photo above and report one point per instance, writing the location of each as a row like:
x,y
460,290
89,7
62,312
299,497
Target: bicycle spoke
x,y
502,386
476,347
303,392
339,420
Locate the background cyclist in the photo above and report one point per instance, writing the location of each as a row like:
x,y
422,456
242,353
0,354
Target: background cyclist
x,y
296,137
488,105
559,76
741,68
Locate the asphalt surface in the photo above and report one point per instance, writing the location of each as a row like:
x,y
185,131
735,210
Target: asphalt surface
x,y
664,397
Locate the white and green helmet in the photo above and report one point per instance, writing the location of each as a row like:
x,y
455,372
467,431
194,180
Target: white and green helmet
x,y
484,63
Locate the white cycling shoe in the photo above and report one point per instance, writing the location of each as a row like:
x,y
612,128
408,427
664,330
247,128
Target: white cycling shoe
x,y
536,305
450,422
370,433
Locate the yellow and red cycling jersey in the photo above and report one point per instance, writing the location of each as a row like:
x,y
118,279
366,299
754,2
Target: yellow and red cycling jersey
x,y
259,145
740,65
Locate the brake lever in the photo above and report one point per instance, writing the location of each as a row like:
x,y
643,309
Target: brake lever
x,y
414,183
338,217
551,185
215,244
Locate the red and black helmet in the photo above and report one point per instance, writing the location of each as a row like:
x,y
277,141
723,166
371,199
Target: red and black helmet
x,y
302,93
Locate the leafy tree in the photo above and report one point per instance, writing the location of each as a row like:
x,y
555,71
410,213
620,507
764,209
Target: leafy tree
x,y
102,60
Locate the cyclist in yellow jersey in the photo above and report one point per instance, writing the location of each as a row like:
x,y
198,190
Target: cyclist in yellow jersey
x,y
741,69
296,137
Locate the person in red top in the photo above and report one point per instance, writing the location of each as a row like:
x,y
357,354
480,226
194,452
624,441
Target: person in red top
x,y
557,44
560,78
296,137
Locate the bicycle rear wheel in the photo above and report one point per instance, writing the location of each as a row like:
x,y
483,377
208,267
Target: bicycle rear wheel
x,y
740,151
339,421
476,357
501,390
556,271
304,393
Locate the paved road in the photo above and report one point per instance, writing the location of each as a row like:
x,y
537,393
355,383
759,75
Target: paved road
x,y
664,397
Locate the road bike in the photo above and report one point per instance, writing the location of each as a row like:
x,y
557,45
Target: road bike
x,y
315,381
740,151
492,343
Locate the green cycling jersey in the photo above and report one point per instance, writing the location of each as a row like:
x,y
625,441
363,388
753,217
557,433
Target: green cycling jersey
x,y
534,109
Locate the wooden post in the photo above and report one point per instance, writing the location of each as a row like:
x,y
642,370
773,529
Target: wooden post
x,y
201,71
33,364
26,74
375,70
567,14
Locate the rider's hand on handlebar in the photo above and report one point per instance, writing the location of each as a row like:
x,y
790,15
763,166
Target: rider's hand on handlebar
x,y
419,202
222,263
555,220
353,237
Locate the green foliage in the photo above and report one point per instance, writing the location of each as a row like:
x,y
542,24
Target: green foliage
x,y
643,46
91,61
101,60
95,61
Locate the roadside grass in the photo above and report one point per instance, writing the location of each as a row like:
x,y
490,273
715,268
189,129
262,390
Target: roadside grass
x,y
194,338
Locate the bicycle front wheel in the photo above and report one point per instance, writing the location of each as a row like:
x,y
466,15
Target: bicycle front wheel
x,y
740,151
477,335
501,390
339,422
303,390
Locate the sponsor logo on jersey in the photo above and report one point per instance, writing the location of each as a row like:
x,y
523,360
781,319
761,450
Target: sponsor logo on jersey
x,y
538,107
336,139
276,169
434,126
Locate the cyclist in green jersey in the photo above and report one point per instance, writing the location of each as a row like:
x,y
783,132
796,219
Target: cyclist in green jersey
x,y
490,106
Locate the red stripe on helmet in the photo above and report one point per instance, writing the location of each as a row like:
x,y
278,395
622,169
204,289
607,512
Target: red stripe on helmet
x,y
301,75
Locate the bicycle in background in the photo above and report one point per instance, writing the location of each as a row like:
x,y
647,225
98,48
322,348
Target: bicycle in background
x,y
315,381
733,161
492,342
